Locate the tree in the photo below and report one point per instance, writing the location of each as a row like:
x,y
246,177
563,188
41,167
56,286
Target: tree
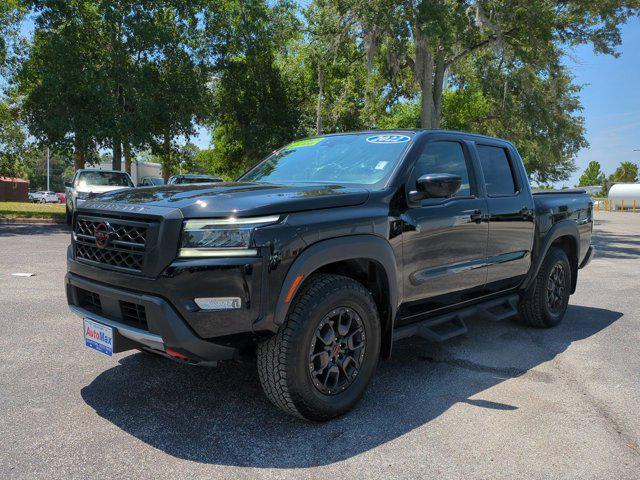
x,y
59,81
627,172
12,144
332,55
254,111
536,107
157,77
11,14
430,38
125,75
592,175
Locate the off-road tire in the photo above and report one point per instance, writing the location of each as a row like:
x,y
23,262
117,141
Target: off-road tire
x,y
534,307
283,359
68,214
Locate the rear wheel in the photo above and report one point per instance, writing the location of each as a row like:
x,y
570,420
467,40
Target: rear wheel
x,y
320,362
545,304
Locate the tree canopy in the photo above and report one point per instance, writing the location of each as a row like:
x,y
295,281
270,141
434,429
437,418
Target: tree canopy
x,y
11,14
134,76
592,175
627,172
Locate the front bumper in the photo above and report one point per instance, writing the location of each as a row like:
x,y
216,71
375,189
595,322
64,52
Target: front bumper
x,y
159,329
183,281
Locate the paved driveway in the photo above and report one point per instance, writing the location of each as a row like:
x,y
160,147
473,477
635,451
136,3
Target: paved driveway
x,y
502,402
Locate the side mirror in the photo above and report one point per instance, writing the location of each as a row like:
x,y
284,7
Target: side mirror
x,y
436,185
68,184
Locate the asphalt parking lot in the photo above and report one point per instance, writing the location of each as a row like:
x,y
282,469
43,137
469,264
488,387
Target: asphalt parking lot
x,y
504,401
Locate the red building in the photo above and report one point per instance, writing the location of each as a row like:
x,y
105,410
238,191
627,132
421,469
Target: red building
x,y
14,189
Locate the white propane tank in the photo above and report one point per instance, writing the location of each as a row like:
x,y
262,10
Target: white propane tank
x,y
627,192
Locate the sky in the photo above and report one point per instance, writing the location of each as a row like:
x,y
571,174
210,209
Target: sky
x,y
611,102
610,99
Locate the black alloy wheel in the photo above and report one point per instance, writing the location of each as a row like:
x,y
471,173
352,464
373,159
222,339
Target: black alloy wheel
x,y
337,350
556,288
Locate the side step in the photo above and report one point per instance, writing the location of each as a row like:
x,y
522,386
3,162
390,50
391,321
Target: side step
x,y
500,309
444,327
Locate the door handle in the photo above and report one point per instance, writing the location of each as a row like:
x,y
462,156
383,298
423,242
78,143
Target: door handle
x,y
476,216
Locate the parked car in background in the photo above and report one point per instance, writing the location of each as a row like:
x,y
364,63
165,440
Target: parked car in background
x,y
150,182
62,197
44,196
88,183
192,178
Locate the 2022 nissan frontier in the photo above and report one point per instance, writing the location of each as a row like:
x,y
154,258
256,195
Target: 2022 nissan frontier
x,y
323,254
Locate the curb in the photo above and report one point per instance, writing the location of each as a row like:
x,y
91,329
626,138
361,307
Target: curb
x,y
31,221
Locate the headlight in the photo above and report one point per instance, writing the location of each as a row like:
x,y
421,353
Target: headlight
x,y
221,237
82,195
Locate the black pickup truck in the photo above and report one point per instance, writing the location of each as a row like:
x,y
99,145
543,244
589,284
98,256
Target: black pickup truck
x,y
321,256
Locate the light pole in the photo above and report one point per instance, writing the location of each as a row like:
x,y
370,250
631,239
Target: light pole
x,y
48,170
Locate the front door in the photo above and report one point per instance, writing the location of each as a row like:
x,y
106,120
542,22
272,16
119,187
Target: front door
x,y
444,240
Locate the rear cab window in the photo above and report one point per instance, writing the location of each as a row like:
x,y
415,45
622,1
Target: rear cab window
x,y
498,170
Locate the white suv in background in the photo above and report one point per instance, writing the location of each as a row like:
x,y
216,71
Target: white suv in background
x,y
87,183
44,196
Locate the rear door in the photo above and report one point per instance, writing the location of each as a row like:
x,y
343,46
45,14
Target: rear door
x,y
444,240
511,209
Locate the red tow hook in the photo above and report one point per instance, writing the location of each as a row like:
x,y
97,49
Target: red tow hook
x,y
175,354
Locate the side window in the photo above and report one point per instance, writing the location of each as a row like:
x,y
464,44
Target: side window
x,y
497,169
444,157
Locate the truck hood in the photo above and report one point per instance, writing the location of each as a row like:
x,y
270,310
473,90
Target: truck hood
x,y
241,199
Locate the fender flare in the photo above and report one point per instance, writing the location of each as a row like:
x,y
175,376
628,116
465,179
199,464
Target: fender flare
x,y
564,228
324,252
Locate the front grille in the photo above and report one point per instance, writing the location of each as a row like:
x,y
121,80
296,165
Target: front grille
x,y
130,261
133,314
125,248
89,300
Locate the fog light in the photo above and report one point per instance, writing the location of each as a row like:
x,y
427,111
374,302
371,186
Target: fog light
x,y
218,303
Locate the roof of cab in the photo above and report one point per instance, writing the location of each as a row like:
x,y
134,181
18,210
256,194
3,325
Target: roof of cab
x,y
419,131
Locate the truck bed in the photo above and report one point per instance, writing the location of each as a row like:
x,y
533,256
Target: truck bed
x,y
559,191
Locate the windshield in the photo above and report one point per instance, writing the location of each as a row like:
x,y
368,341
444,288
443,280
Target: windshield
x,y
365,159
104,179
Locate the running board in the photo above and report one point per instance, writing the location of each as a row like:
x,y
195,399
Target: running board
x,y
444,327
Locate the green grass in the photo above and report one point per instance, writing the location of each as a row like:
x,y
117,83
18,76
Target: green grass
x,y
32,210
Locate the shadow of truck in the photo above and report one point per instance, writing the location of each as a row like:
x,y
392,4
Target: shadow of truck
x,y
220,416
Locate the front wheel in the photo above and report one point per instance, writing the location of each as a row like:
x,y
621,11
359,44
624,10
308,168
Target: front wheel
x,y
545,304
320,362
